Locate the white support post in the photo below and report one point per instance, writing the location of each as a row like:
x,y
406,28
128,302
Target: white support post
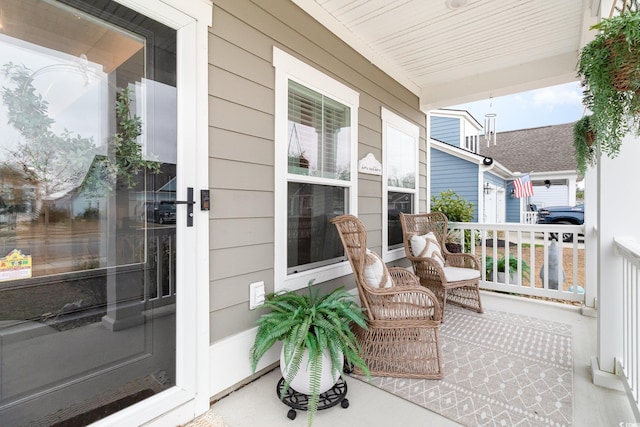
x,y
590,243
617,217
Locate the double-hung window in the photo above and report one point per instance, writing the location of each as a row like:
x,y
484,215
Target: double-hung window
x,y
315,171
400,179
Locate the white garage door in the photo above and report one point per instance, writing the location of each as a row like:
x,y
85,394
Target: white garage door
x,y
556,195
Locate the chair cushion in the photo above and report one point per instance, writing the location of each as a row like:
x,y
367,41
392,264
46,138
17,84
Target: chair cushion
x,y
375,271
426,246
456,274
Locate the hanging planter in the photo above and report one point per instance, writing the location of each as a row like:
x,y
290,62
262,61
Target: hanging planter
x,y
583,139
296,161
610,73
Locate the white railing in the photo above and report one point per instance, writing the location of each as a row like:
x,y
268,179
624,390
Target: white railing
x,y
534,253
159,283
529,217
628,365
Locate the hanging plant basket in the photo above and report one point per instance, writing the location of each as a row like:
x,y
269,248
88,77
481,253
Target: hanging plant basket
x,y
297,162
609,68
583,139
623,63
589,138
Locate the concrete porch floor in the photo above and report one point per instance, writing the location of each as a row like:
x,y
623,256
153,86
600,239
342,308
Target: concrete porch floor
x,y
256,404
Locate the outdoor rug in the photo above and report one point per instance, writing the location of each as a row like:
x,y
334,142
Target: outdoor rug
x,y
500,369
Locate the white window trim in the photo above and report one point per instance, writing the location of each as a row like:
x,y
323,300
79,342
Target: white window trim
x,y
288,68
401,124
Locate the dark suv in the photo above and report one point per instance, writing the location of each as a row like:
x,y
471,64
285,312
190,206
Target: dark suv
x,y
562,215
162,213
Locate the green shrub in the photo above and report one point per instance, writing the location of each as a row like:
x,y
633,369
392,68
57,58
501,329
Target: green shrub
x,y
454,206
457,209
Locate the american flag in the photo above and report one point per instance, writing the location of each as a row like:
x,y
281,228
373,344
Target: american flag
x,y
523,186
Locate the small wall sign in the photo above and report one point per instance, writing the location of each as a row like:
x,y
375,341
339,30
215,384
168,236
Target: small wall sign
x,y
369,164
15,266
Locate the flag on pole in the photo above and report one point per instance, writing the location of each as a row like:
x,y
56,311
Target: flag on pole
x,y
523,186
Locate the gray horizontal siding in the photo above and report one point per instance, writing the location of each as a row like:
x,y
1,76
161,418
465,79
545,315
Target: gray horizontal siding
x,y
241,108
230,204
452,173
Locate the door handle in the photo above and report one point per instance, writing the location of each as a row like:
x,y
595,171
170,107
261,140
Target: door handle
x,y
189,202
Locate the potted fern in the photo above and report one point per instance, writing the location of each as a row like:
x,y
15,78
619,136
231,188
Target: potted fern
x,y
317,339
583,138
504,265
609,67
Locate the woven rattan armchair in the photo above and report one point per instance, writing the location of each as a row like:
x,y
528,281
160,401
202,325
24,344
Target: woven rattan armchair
x,y
454,280
403,319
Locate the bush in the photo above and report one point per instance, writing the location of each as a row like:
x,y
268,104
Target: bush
x,y
454,206
457,209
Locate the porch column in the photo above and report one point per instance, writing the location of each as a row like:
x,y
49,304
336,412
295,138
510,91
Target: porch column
x,y
618,207
571,185
591,242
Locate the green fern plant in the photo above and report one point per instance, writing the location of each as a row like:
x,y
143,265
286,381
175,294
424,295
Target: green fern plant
x,y
613,100
315,323
502,263
583,138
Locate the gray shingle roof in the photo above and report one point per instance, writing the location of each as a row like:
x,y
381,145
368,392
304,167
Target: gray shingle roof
x,y
541,149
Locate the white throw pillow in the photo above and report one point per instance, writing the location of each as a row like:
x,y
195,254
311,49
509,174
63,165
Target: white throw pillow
x,y
375,271
426,246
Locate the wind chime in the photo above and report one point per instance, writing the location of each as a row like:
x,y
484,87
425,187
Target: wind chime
x,y
490,126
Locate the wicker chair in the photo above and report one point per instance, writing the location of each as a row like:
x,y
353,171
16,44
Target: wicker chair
x,y
455,279
403,319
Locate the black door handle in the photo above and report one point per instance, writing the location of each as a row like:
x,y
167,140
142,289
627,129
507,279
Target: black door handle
x,y
189,202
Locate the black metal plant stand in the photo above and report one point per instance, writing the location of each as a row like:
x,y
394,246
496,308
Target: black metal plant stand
x,y
300,401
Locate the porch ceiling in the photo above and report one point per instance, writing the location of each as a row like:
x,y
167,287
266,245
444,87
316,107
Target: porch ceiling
x,y
447,57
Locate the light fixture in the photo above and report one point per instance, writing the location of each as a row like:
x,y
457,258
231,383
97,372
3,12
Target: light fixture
x,y
513,193
455,4
547,183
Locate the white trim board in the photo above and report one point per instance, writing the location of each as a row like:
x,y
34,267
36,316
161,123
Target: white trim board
x,y
229,367
229,361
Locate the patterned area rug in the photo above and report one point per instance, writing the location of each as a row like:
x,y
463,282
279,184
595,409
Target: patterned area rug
x,y
500,369
208,419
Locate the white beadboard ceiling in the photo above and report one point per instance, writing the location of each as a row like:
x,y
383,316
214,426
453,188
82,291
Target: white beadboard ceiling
x,y
447,57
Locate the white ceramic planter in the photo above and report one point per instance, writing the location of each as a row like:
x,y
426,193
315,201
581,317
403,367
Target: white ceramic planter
x,y
513,280
300,382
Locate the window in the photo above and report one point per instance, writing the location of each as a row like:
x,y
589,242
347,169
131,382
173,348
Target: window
x,y
471,143
315,171
400,179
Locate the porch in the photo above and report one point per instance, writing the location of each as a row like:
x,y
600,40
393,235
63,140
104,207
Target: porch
x,y
534,289
257,403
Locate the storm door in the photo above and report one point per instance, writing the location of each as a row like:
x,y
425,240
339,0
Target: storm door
x,y
87,210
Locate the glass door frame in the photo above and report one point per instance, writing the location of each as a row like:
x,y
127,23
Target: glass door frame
x,y
190,396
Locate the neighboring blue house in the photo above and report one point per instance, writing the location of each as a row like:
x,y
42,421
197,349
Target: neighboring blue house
x,y
455,138
547,153
456,165
461,161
